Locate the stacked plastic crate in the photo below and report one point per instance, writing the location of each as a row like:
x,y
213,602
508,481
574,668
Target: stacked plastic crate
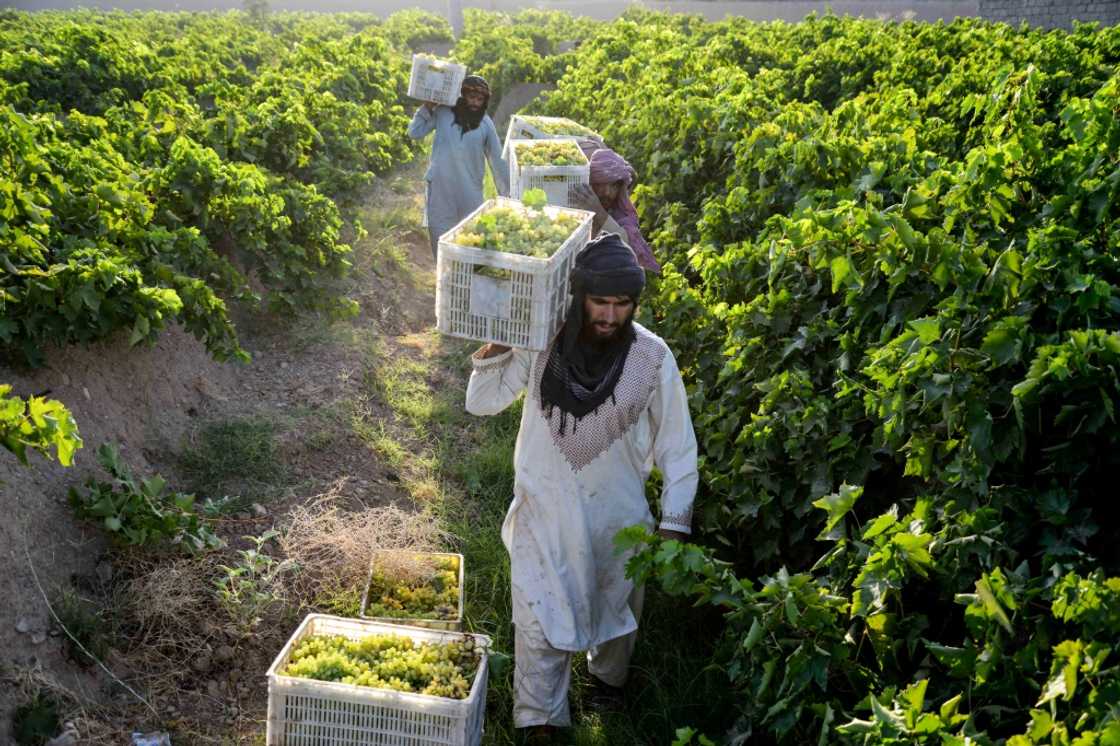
x,y
435,80
527,127
307,712
557,180
507,298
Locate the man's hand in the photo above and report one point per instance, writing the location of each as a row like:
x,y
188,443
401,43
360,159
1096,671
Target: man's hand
x,y
491,349
670,535
430,106
583,197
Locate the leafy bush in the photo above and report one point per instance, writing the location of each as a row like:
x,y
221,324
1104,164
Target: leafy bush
x,y
413,28
140,512
156,161
525,47
248,589
38,424
891,283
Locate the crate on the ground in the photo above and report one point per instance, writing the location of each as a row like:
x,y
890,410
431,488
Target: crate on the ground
x,y
454,621
511,299
527,127
436,80
556,181
306,712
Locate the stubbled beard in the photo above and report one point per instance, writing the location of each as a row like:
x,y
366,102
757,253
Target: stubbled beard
x,y
590,334
466,117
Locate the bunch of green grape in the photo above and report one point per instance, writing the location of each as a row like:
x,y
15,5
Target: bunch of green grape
x,y
521,230
433,63
435,596
388,661
549,153
560,126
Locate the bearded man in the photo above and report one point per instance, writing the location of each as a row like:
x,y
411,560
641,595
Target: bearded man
x,y
604,404
608,196
465,139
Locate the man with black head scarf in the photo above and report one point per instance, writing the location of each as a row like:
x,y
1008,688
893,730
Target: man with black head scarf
x,y
603,405
465,139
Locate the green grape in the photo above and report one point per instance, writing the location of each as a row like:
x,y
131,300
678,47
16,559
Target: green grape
x,y
433,63
560,126
549,153
519,230
388,661
429,596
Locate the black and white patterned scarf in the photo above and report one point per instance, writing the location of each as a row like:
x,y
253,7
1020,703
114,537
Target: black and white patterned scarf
x,y
580,375
467,118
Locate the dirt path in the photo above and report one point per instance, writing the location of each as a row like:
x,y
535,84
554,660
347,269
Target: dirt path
x,y
321,386
307,417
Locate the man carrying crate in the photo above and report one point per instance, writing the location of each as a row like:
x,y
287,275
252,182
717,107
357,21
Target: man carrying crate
x,y
465,139
608,196
604,404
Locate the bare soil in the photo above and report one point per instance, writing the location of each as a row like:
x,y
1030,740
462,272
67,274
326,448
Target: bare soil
x,y
307,376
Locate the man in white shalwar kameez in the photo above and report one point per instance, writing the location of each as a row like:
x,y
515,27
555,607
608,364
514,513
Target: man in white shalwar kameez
x,y
604,404
465,140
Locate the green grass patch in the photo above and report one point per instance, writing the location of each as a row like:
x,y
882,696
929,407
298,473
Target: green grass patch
x,y
378,437
405,390
382,251
37,721
388,222
234,459
86,622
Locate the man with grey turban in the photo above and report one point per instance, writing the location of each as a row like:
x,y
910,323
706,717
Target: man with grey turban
x,y
465,140
603,404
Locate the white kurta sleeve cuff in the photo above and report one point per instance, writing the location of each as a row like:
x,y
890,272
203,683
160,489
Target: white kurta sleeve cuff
x,y
678,522
493,364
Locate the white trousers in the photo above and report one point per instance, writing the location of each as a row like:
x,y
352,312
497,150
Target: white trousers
x,y
542,674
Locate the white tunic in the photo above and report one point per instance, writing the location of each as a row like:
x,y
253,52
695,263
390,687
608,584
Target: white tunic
x,y
574,492
458,164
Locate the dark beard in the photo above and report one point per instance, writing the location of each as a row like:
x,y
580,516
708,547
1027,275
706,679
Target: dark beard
x,y
589,337
466,117
581,374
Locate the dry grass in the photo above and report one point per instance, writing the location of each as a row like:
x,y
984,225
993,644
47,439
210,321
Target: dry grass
x,y
406,567
166,599
32,681
174,618
334,545
80,712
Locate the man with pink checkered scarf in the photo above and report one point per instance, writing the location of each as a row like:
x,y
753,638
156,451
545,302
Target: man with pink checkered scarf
x,y
608,197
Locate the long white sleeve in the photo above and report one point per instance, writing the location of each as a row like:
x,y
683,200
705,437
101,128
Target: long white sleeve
x,y
497,381
674,448
498,166
423,122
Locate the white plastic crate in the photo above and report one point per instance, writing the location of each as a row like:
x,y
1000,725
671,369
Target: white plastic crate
x,y
433,79
305,712
448,624
523,310
556,181
521,129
